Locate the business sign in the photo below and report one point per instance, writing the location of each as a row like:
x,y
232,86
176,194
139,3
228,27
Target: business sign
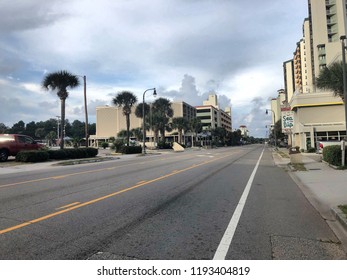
x,y
287,121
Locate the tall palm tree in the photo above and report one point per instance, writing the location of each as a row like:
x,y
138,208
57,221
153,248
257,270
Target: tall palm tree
x,y
61,80
139,114
195,126
126,100
331,78
162,112
180,124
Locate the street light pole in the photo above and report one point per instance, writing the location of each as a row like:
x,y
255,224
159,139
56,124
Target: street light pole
x,y
85,108
143,118
343,45
274,124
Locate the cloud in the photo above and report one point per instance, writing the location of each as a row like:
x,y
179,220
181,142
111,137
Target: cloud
x,y
27,15
232,48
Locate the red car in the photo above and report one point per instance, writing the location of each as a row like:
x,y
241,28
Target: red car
x,y
11,144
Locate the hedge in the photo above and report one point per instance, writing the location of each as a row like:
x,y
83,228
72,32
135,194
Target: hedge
x,y
39,156
131,150
32,156
333,155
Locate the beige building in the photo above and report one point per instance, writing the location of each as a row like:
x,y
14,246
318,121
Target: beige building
x,y
318,115
110,121
289,82
212,116
244,130
276,105
320,121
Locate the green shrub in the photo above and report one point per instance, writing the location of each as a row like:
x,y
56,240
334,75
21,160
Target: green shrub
x,y
311,150
117,145
91,152
32,156
104,145
332,155
131,150
57,154
164,145
73,153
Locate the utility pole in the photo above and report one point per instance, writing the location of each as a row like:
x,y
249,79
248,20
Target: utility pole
x,y
343,45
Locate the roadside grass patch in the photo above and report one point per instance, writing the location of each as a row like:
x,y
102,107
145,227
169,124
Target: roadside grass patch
x,y
343,208
299,166
284,155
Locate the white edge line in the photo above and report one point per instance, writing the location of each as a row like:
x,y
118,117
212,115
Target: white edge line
x,y
224,244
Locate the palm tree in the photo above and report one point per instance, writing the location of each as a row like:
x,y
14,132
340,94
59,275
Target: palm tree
x,y
195,126
180,124
162,112
139,114
61,80
331,78
126,100
137,133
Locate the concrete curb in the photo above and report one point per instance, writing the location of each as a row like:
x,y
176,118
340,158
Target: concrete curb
x,y
340,217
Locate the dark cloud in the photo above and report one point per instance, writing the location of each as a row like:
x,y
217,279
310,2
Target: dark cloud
x,y
18,15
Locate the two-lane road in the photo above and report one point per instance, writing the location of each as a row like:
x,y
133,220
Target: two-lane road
x,y
167,206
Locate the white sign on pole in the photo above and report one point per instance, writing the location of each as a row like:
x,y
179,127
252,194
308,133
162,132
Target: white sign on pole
x,y
287,121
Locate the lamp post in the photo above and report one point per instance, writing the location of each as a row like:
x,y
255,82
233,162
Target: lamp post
x,y
143,118
343,45
267,112
58,123
343,38
85,108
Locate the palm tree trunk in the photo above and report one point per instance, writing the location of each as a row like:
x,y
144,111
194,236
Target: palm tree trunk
x,y
62,124
128,128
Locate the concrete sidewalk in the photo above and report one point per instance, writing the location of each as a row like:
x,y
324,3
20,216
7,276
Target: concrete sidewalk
x,y
324,186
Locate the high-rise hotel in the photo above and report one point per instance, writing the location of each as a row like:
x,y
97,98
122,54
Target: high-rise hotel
x,y
318,114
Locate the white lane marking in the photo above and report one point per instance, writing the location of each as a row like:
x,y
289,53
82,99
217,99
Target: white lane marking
x,y
224,244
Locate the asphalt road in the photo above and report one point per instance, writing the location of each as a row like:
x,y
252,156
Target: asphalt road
x,y
166,206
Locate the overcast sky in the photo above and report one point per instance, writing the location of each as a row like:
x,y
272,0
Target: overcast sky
x,y
184,48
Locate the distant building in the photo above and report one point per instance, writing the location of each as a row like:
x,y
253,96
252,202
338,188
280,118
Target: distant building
x,y
212,116
110,120
244,130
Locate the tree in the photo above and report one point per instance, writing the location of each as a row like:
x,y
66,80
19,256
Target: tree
x,y
139,114
180,124
195,126
220,134
61,81
3,128
40,132
137,133
126,100
30,129
162,112
331,78
50,137
78,129
124,134
18,128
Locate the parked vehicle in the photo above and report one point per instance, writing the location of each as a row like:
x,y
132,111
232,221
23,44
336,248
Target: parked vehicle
x,y
11,144
324,144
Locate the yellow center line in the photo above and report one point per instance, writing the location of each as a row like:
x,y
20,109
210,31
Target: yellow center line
x,y
67,206
140,184
67,175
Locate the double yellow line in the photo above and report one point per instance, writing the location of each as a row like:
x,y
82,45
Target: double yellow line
x,y
73,207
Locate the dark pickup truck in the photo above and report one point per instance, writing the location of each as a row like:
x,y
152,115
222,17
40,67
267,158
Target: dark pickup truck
x,y
11,144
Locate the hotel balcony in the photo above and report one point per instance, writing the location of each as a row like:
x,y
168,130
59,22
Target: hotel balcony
x,y
329,3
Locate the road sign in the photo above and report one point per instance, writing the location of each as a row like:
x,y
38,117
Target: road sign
x,y
287,121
